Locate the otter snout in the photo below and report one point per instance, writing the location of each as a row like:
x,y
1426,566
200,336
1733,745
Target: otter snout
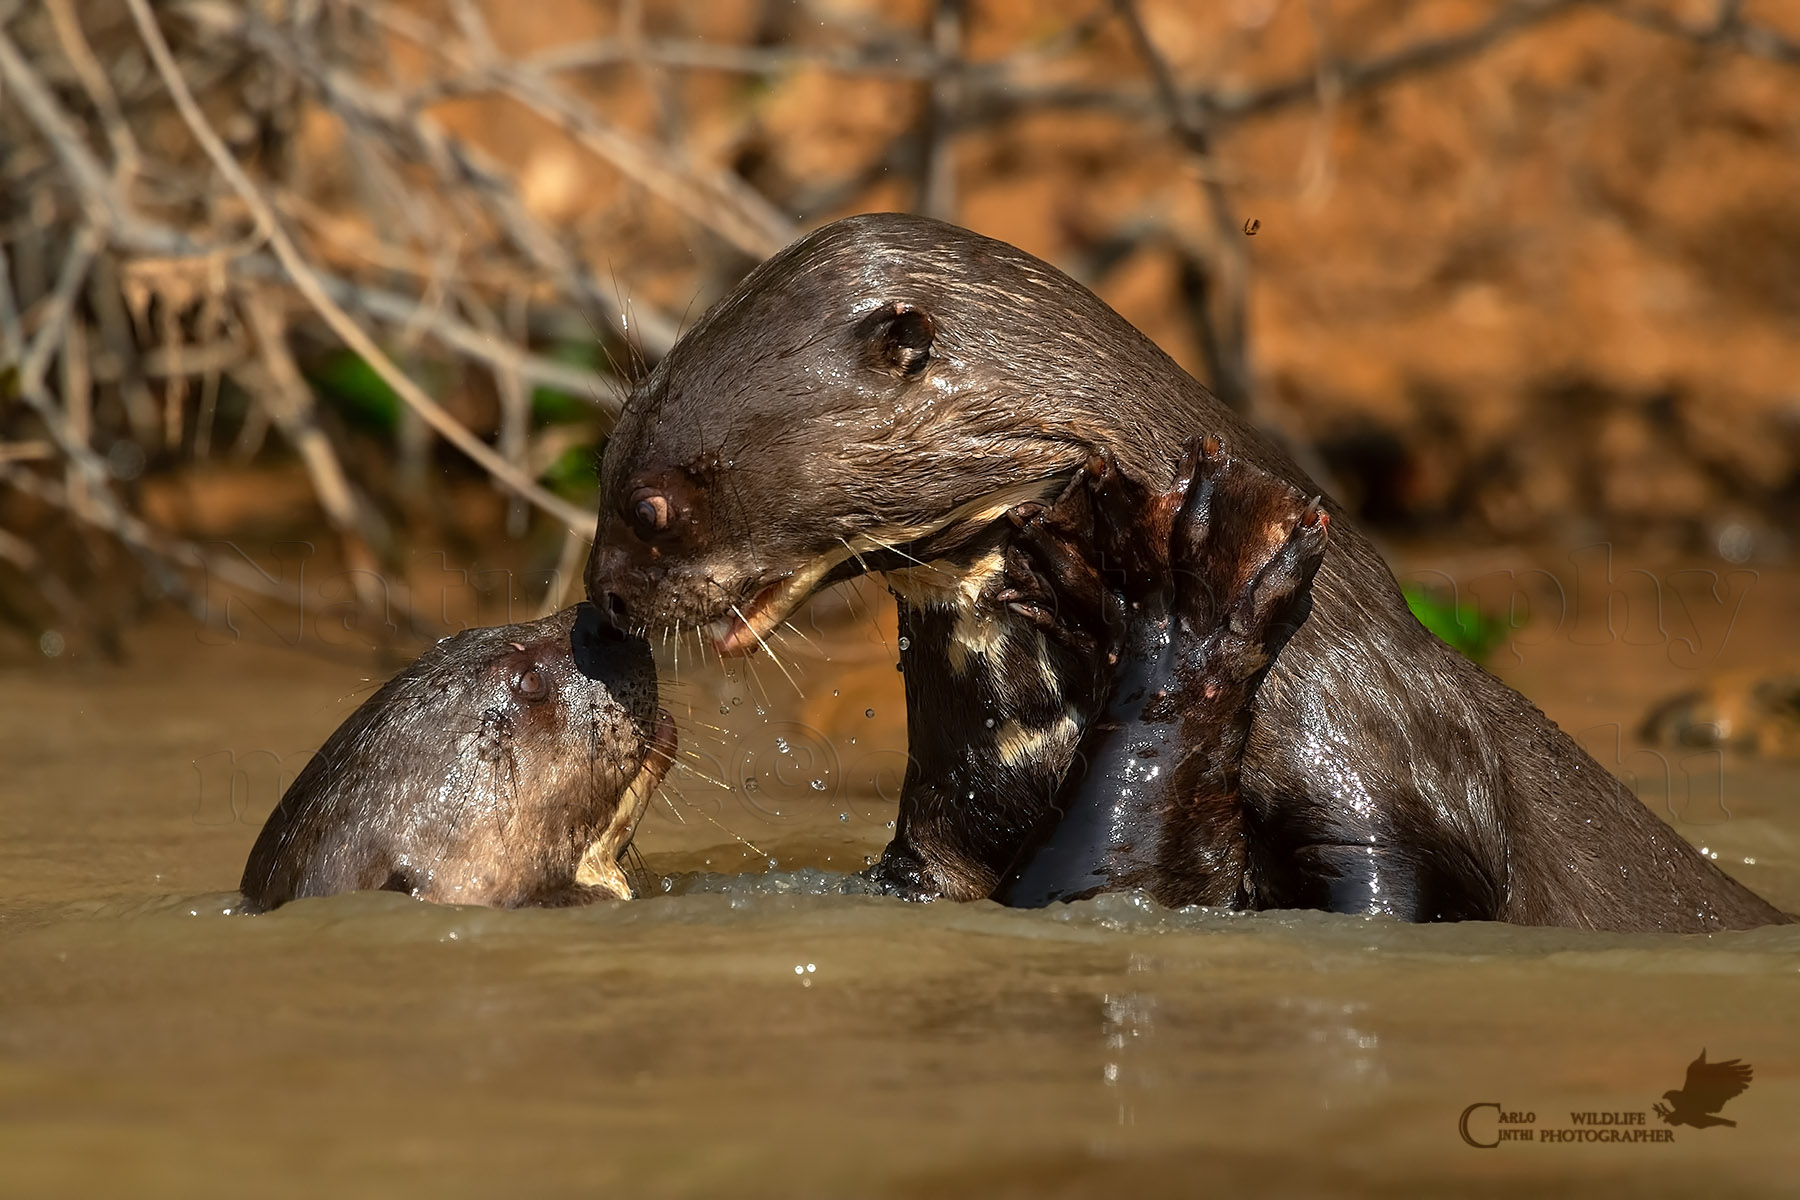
x,y
620,580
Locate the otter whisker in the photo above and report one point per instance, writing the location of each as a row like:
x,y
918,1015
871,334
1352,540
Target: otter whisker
x,y
891,548
854,553
693,720
362,689
638,871
697,773
868,612
755,677
792,628
767,649
723,828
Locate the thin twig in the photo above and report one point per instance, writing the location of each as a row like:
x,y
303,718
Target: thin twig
x,y
126,156
1224,310
715,200
943,112
307,283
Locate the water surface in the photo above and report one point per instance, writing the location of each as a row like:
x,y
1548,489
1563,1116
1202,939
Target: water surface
x,y
756,1032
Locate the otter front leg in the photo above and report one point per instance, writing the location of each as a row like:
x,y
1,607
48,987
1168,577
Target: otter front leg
x,y
901,873
1210,579
994,709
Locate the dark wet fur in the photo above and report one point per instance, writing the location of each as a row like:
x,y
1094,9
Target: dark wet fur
x,y
801,411
453,784
1181,602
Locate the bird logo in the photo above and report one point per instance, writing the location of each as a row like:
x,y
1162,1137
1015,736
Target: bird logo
x,y
1708,1087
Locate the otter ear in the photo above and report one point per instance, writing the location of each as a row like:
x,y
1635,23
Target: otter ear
x,y
898,338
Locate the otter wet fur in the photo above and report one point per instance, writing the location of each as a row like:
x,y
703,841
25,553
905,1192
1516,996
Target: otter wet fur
x,y
1182,601
882,394
506,767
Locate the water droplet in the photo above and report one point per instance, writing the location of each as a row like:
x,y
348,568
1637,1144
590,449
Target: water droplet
x,y
51,644
868,712
818,785
890,824
736,700
750,784
782,746
989,722
834,691
724,710
906,643
773,863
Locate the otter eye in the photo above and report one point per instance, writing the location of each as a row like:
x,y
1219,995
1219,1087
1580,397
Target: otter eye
x,y
898,339
532,686
649,510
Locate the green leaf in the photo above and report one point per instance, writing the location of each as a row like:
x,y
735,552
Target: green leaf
x,y
574,475
348,383
1459,623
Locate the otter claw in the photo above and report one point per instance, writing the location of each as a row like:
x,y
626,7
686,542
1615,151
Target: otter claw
x,y
1027,514
1283,580
1205,449
1100,467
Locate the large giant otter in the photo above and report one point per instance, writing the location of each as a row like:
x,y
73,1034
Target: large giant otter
x,y
881,394
507,767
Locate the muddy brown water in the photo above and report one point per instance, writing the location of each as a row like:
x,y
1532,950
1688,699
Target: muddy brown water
x,y
752,1032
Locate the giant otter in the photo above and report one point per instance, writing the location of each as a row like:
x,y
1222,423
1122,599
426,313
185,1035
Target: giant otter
x,y
507,767
881,394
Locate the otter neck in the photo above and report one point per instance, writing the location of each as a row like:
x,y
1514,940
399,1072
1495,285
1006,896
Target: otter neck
x,y
993,711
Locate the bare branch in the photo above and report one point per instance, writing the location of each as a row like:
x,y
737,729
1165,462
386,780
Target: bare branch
x,y
715,200
306,281
1220,287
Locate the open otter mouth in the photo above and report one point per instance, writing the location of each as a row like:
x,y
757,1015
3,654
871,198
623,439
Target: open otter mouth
x,y
749,625
599,865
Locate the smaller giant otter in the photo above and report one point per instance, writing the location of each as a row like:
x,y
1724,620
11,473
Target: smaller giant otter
x,y
506,767
1181,601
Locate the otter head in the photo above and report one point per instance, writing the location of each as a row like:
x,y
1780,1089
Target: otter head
x,y
875,395
506,767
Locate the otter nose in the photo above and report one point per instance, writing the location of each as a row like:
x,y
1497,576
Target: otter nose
x,y
611,573
596,641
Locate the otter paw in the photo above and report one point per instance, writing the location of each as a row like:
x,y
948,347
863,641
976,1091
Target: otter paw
x,y
1278,597
1130,526
1049,576
900,874
1244,545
